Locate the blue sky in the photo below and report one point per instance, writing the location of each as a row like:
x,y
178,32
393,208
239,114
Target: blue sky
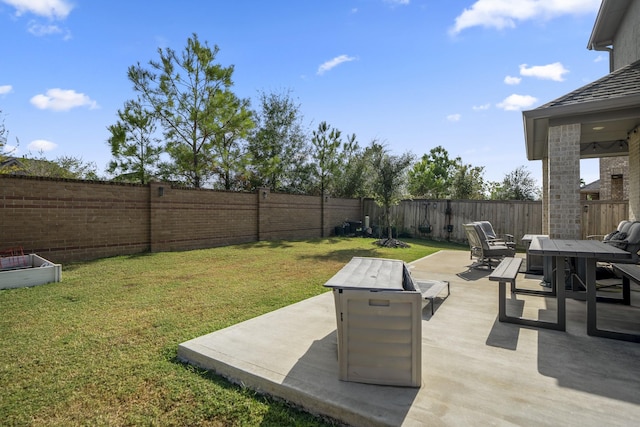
x,y
414,74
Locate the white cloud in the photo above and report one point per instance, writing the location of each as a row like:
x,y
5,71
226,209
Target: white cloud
x,y
334,63
454,117
4,89
481,107
401,2
43,30
553,71
502,14
62,100
599,58
52,9
42,145
510,80
517,102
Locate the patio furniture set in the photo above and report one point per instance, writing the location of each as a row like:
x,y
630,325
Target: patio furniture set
x,y
379,305
576,260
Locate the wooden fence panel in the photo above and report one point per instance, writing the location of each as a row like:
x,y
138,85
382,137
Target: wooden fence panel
x,y
507,217
446,217
600,217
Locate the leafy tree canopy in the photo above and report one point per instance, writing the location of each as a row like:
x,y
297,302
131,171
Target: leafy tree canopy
x,y
191,96
134,145
432,176
516,185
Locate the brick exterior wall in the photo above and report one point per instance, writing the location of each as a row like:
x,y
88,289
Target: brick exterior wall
x,y
69,220
614,166
634,175
564,182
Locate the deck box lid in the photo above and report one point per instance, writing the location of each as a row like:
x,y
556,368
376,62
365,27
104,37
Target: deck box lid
x,y
378,274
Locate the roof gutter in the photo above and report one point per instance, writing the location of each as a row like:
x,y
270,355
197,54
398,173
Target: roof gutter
x,y
605,48
602,46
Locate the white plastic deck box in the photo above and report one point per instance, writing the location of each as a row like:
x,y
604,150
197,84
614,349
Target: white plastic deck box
x,y
27,270
379,323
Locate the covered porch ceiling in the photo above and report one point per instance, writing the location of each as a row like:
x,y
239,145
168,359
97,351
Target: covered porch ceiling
x,y
607,110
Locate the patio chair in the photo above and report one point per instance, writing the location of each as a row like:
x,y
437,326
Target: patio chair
x,y
492,237
621,230
486,254
627,238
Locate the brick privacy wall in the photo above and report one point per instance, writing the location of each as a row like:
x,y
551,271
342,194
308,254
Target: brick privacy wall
x,y
64,220
69,220
184,219
286,216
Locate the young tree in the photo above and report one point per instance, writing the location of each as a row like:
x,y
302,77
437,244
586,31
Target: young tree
x,y
279,149
351,178
326,142
432,176
468,183
516,185
190,94
134,147
387,184
230,156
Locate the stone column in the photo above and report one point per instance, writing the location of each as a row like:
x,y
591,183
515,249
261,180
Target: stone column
x,y
634,175
563,182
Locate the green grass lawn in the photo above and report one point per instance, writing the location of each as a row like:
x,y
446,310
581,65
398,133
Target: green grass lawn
x,y
99,348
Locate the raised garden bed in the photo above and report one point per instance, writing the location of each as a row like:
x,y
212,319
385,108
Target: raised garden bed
x,y
27,270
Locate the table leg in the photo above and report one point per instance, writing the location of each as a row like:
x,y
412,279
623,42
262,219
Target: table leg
x,y
560,293
592,314
590,283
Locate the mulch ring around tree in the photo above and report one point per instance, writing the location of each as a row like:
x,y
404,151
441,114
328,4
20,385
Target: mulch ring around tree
x,y
391,243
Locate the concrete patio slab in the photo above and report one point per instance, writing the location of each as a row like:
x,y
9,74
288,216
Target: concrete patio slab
x,y
475,370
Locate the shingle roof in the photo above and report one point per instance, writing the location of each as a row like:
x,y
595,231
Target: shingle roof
x,y
591,187
622,82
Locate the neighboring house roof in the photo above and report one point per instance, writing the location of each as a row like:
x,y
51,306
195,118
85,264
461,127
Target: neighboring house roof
x,y
11,162
592,187
607,109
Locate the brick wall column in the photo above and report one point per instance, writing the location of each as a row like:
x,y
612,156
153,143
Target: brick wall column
x,y
263,200
634,175
324,212
545,195
159,232
564,182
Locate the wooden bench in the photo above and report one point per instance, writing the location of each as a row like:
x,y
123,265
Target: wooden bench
x,y
629,272
430,289
506,272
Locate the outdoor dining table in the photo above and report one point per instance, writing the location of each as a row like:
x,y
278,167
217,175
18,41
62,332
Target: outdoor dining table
x,y
589,252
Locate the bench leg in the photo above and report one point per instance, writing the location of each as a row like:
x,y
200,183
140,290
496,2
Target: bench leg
x,y
626,291
432,299
502,313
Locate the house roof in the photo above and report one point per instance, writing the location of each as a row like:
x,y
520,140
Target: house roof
x,y
592,187
620,83
608,109
607,23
